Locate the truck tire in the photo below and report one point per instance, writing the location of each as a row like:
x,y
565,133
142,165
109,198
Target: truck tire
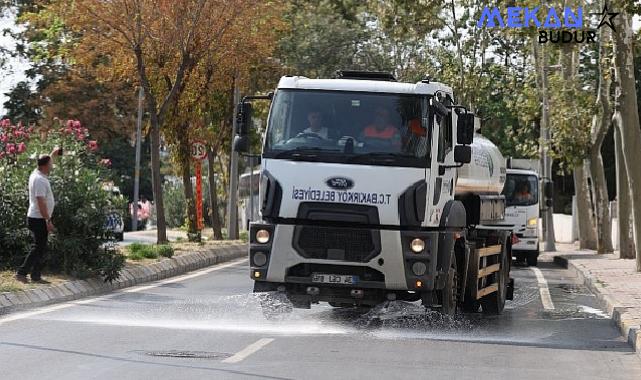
x,y
274,304
494,303
449,294
533,259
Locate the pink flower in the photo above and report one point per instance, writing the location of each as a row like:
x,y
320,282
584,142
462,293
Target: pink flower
x,y
105,162
1,155
4,138
11,148
5,123
68,130
69,124
21,147
76,124
18,133
93,145
30,130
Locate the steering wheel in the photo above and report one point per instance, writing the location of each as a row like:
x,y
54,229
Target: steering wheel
x,y
309,135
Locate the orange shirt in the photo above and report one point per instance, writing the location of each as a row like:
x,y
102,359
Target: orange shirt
x,y
387,133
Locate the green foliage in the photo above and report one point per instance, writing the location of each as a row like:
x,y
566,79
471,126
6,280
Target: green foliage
x,y
137,251
80,244
165,250
175,205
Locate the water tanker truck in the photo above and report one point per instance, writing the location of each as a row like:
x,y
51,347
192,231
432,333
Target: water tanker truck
x,y
373,190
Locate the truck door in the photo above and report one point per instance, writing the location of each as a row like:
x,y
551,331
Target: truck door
x,y
442,162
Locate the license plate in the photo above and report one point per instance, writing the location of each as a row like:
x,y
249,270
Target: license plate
x,y
334,279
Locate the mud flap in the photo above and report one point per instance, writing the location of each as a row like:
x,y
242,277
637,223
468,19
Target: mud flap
x,y
509,295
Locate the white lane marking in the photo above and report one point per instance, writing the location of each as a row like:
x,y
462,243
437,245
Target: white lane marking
x,y
546,298
135,289
247,351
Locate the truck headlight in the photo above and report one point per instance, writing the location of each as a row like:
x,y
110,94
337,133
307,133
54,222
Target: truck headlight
x,y
533,222
262,236
417,245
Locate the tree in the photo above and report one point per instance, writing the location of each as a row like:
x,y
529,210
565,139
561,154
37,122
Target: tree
x,y
600,126
627,116
21,104
162,42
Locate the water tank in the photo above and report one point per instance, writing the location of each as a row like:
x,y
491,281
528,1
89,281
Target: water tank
x,y
485,174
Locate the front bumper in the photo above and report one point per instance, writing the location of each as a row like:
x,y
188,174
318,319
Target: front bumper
x,y
388,268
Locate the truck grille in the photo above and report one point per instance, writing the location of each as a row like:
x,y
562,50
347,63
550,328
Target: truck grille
x,y
343,244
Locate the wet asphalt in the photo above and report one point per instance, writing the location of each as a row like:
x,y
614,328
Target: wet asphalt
x,y
209,326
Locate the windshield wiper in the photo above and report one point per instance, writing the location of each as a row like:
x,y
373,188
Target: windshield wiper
x,y
303,152
378,157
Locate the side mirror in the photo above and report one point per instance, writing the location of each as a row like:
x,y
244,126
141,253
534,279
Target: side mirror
x,y
241,144
243,118
465,128
462,154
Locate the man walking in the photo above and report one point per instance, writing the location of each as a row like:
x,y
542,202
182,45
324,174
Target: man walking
x,y
41,205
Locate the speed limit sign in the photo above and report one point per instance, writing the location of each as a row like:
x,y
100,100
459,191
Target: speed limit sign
x,y
198,150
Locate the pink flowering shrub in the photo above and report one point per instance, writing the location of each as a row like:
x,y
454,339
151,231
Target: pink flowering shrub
x,y
78,245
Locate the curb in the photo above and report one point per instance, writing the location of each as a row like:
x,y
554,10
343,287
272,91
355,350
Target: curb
x,y
632,332
131,274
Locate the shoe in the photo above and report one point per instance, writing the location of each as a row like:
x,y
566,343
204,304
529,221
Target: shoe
x,y
22,278
40,281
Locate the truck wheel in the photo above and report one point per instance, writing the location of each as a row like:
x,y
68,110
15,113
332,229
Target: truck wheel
x,y
533,259
495,302
449,294
274,304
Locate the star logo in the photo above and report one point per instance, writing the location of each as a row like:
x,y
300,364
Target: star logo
x,y
606,17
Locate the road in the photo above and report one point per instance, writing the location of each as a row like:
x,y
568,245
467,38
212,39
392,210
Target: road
x,y
206,324
149,236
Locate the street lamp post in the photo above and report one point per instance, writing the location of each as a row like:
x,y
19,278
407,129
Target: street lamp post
x,y
134,217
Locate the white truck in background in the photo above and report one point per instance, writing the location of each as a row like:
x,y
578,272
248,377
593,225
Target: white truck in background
x,y
374,190
522,210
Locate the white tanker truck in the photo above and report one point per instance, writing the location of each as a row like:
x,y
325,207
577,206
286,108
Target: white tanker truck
x,y
374,190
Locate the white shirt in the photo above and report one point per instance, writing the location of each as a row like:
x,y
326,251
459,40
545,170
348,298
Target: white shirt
x,y
39,187
322,133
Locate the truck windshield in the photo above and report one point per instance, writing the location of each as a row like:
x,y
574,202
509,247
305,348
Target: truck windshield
x,y
349,127
521,190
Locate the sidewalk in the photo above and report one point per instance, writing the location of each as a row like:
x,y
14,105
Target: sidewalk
x,y
133,273
615,282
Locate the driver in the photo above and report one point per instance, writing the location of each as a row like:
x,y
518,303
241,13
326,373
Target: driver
x,y
315,120
381,127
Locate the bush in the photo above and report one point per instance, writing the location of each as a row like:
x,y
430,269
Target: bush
x,y
137,251
175,205
165,250
79,246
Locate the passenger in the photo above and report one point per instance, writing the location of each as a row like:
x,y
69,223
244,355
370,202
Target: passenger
x,y
523,195
315,120
381,127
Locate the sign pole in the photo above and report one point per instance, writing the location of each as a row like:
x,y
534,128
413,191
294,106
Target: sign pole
x,y
198,154
199,195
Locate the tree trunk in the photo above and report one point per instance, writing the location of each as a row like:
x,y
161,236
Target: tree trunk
x,y
156,180
600,126
626,243
601,204
587,234
626,97
185,171
216,222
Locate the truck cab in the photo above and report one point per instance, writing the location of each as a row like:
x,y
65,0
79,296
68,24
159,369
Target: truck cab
x,y
522,211
359,201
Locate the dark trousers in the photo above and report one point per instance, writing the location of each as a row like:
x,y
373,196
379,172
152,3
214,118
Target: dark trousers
x,y
34,261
